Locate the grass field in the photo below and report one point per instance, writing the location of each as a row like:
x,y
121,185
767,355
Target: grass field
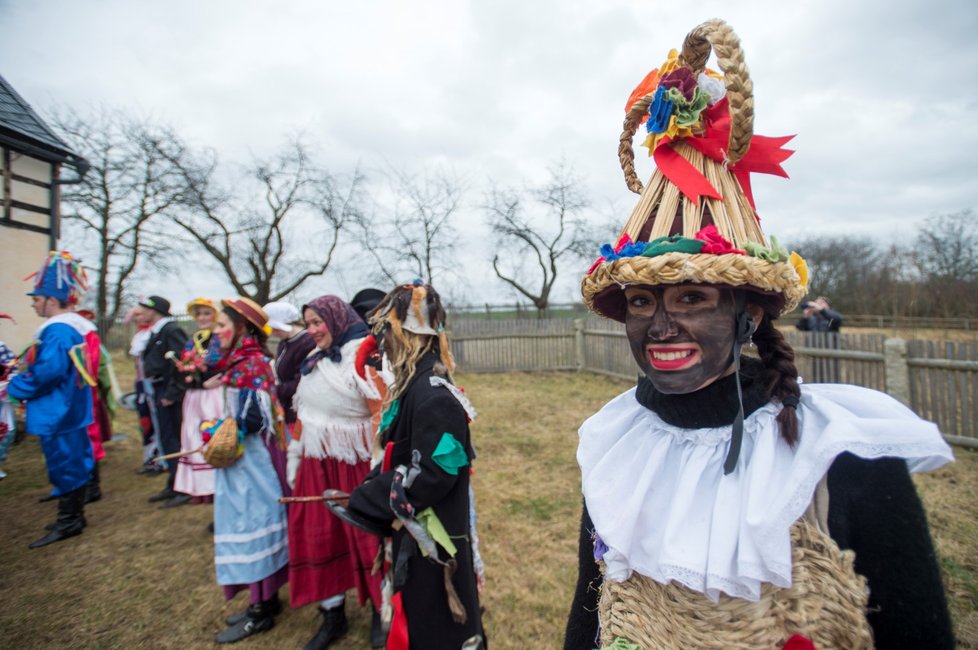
x,y
143,578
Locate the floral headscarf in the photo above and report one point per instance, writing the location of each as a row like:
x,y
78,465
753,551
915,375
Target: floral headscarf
x,y
343,323
246,366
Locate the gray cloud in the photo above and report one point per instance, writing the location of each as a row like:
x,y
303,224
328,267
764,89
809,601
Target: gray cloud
x,y
881,95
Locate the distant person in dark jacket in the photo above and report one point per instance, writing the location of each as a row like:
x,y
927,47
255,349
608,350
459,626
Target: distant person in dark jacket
x,y
166,401
818,316
294,345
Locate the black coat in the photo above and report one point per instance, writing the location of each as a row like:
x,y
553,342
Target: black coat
x,y
827,320
162,371
288,359
426,413
874,511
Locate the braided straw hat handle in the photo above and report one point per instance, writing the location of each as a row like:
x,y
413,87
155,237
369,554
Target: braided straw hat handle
x,y
711,35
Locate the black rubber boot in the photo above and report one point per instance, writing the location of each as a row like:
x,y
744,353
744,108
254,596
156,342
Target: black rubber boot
x,y
258,618
71,519
51,526
274,607
93,491
378,637
334,626
179,499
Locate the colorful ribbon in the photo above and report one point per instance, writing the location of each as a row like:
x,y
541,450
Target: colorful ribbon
x,y
764,156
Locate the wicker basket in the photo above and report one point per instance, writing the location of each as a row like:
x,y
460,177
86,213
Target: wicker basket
x,y
224,448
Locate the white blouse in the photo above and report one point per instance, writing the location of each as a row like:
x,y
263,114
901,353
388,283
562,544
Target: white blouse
x,y
331,403
660,502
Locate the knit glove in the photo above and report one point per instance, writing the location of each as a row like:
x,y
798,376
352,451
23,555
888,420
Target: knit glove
x,y
292,462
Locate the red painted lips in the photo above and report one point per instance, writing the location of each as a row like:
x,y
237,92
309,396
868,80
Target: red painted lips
x,y
672,357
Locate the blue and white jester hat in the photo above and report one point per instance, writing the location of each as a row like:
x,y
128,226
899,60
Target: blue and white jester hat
x,y
61,277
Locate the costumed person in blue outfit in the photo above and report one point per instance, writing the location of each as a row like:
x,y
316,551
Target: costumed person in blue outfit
x,y
250,537
418,493
58,398
725,504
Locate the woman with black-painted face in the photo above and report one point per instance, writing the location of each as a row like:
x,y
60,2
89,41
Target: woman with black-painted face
x,y
725,504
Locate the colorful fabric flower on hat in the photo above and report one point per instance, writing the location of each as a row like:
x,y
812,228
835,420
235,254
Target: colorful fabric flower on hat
x,y
625,247
687,113
693,109
774,253
651,81
676,109
672,244
712,86
714,242
681,79
660,112
801,267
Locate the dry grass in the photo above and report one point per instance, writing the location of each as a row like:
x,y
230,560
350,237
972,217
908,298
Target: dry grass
x,y
143,578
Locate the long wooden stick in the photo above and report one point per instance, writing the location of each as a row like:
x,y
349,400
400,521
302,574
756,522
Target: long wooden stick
x,y
178,454
314,499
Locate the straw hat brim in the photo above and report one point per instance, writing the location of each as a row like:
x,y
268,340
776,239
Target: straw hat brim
x,y
250,311
604,287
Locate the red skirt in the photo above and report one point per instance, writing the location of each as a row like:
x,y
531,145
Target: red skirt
x,y
326,556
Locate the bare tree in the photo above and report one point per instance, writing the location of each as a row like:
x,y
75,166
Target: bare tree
x,y
946,254
108,214
280,231
843,269
936,275
530,247
946,247
416,237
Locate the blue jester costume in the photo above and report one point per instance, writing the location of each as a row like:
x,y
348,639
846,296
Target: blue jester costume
x,y
54,383
59,401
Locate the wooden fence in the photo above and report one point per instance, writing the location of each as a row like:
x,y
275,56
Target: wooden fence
x,y
938,380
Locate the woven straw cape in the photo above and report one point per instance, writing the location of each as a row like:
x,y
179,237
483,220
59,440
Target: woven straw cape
x,y
700,183
825,603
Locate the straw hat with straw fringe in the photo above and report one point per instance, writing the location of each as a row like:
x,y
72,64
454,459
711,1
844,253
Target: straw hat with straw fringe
x,y
695,221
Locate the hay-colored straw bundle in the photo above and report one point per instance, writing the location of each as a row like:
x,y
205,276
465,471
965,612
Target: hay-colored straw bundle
x,y
733,215
666,210
826,603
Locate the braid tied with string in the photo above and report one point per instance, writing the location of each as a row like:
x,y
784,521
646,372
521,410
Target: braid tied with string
x,y
780,375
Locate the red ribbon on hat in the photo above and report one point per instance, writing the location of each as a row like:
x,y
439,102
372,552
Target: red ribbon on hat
x,y
764,156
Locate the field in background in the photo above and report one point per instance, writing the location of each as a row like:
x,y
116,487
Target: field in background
x,y
142,577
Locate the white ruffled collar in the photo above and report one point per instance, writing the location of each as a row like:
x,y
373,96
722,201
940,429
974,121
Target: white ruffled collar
x,y
77,322
660,502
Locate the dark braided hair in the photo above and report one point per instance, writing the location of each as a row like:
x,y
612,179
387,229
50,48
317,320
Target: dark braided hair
x,y
779,377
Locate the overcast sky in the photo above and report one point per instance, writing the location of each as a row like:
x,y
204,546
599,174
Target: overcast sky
x,y
882,95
